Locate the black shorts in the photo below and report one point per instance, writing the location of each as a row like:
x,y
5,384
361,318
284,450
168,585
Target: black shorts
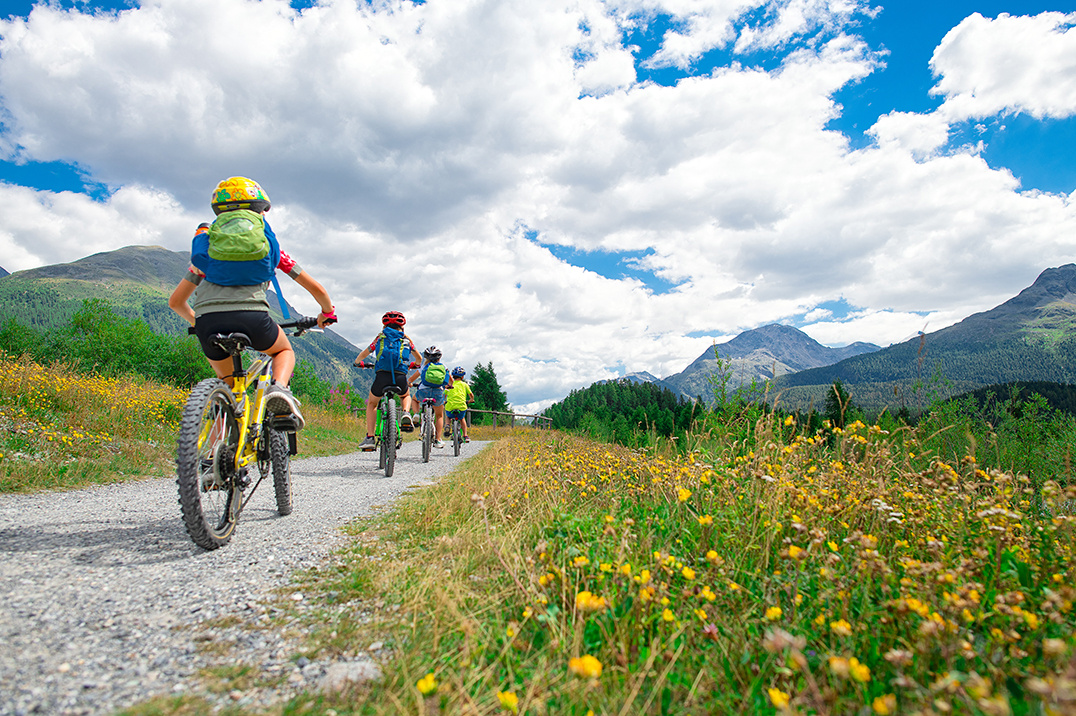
x,y
384,378
259,327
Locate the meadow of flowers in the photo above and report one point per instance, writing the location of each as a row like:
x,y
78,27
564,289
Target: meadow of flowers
x,y
840,572
61,428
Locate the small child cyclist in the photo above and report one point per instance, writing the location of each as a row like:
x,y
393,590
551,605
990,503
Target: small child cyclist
x,y
232,262
392,351
432,380
457,397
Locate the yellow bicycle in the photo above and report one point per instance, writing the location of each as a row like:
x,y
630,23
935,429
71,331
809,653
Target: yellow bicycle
x,y
223,433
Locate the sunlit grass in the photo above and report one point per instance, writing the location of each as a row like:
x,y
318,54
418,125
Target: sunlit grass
x,y
815,574
63,429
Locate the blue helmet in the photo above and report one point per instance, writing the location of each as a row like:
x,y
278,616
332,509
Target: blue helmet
x,y
458,372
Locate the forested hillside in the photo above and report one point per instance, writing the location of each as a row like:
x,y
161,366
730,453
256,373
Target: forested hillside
x,y
135,282
624,411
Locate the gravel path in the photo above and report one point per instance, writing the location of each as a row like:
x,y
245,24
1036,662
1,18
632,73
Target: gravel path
x,y
97,586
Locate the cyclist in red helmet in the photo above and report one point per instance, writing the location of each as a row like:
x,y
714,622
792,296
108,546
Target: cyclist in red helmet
x,y
393,353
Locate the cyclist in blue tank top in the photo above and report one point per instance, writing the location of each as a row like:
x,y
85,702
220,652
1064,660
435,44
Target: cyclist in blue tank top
x,y
226,299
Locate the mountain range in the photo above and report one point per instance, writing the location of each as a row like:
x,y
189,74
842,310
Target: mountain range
x,y
757,356
136,282
1030,337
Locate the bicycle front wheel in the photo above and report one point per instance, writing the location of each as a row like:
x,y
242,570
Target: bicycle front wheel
x,y
280,456
389,437
209,493
457,437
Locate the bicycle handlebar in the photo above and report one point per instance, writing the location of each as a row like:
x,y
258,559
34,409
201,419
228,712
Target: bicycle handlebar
x,y
302,324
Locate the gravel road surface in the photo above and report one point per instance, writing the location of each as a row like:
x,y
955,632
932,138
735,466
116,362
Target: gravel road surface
x,y
98,587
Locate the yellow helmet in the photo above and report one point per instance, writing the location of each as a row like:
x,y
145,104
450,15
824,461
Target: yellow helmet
x,y
239,193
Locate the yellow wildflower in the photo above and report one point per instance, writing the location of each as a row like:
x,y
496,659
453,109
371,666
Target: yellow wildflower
x,y
841,628
779,699
683,494
688,573
773,613
667,615
884,705
509,701
427,684
859,671
706,520
585,666
587,602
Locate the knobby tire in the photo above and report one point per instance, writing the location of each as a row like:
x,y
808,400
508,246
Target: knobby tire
x,y
427,432
389,438
457,438
208,438
280,455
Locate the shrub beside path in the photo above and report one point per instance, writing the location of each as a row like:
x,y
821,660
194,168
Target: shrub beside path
x,y
105,601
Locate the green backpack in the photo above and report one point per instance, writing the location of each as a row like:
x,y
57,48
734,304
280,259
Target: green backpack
x,y
434,375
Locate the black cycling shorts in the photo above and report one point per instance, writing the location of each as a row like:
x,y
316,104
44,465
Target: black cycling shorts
x,y
257,325
385,378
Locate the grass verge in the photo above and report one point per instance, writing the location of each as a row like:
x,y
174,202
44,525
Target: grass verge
x,y
813,574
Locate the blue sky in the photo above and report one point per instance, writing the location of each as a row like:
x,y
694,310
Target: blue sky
x,y
654,173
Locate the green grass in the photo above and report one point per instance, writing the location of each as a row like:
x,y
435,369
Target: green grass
x,y
838,573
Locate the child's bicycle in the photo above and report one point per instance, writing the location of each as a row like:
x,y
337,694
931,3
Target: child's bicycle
x,y
428,427
223,432
387,438
456,426
387,434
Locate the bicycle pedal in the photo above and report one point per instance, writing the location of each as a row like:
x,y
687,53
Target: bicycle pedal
x,y
283,423
243,479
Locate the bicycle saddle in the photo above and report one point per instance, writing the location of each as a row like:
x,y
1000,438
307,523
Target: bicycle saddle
x,y
231,343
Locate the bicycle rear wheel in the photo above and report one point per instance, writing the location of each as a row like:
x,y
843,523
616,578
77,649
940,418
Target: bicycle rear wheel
x,y
389,438
457,437
281,459
427,432
209,493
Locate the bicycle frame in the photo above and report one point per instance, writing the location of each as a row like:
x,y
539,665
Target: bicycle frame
x,y
250,412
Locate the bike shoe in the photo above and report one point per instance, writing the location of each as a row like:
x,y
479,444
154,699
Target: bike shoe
x,y
368,445
280,401
406,424
438,444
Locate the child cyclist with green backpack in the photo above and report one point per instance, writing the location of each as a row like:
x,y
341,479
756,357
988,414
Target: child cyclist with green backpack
x,y
393,351
233,260
432,380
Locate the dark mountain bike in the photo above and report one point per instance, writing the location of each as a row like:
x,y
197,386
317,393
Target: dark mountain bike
x,y
387,435
428,427
457,434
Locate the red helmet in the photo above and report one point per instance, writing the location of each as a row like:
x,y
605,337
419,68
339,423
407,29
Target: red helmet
x,y
393,318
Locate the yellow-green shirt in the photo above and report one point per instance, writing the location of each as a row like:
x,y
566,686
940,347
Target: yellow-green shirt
x,y
456,396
